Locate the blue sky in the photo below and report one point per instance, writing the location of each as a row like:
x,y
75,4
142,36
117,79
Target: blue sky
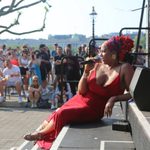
x,y
72,16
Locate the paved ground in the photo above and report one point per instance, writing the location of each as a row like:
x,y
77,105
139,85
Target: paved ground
x,y
16,120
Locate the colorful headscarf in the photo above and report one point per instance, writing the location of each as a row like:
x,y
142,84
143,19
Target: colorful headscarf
x,y
121,44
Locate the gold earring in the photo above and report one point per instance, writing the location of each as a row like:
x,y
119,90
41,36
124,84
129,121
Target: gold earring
x,y
113,56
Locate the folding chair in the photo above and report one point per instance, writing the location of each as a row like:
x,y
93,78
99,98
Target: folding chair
x,y
12,87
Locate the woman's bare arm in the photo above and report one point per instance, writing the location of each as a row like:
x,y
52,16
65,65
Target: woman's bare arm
x,y
127,74
83,86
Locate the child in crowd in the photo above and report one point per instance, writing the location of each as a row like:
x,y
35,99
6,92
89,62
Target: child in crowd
x,y
34,91
66,92
52,97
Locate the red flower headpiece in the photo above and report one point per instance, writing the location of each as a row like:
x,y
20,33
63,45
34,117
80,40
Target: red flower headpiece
x,y
120,44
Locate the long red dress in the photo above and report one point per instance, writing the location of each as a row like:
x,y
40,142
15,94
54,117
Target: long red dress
x,y
87,108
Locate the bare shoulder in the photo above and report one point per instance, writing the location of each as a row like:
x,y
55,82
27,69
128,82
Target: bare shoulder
x,y
127,72
126,67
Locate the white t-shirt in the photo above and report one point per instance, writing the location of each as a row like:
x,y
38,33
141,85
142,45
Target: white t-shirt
x,y
24,61
14,69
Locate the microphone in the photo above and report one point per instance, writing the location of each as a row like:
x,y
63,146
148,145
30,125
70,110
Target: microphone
x,y
91,61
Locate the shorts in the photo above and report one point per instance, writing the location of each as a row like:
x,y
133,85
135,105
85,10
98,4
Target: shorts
x,y
12,83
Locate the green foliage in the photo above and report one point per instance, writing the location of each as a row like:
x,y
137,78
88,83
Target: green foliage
x,y
142,40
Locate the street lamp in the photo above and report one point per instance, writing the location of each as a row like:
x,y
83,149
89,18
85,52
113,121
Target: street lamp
x,y
92,46
93,15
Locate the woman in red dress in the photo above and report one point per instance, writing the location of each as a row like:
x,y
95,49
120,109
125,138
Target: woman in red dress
x,y
101,85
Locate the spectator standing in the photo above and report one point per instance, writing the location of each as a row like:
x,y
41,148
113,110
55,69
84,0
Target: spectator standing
x,y
140,60
79,51
58,65
23,65
84,52
34,65
45,60
49,66
4,48
2,58
53,52
73,69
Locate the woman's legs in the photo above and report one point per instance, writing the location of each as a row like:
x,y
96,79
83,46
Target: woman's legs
x,y
18,87
43,125
31,97
1,88
26,82
36,96
31,94
45,128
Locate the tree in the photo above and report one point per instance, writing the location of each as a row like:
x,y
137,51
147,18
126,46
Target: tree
x,y
16,6
142,40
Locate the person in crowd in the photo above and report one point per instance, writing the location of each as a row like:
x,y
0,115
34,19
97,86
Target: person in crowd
x,y
64,87
49,66
23,65
84,52
79,51
2,58
58,65
4,48
34,66
2,82
8,53
34,91
13,58
140,60
45,60
12,77
18,51
80,58
53,52
68,50
52,97
101,85
72,69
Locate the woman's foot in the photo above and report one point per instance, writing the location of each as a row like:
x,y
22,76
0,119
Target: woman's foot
x,y
33,137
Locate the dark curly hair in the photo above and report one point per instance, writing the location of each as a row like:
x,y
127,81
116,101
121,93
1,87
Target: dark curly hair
x,y
121,44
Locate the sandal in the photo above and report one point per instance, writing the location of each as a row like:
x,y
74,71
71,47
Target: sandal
x,y
33,137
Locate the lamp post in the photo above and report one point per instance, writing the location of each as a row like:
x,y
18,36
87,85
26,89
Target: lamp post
x,y
92,47
93,15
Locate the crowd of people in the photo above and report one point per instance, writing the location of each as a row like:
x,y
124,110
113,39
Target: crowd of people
x,y
38,72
